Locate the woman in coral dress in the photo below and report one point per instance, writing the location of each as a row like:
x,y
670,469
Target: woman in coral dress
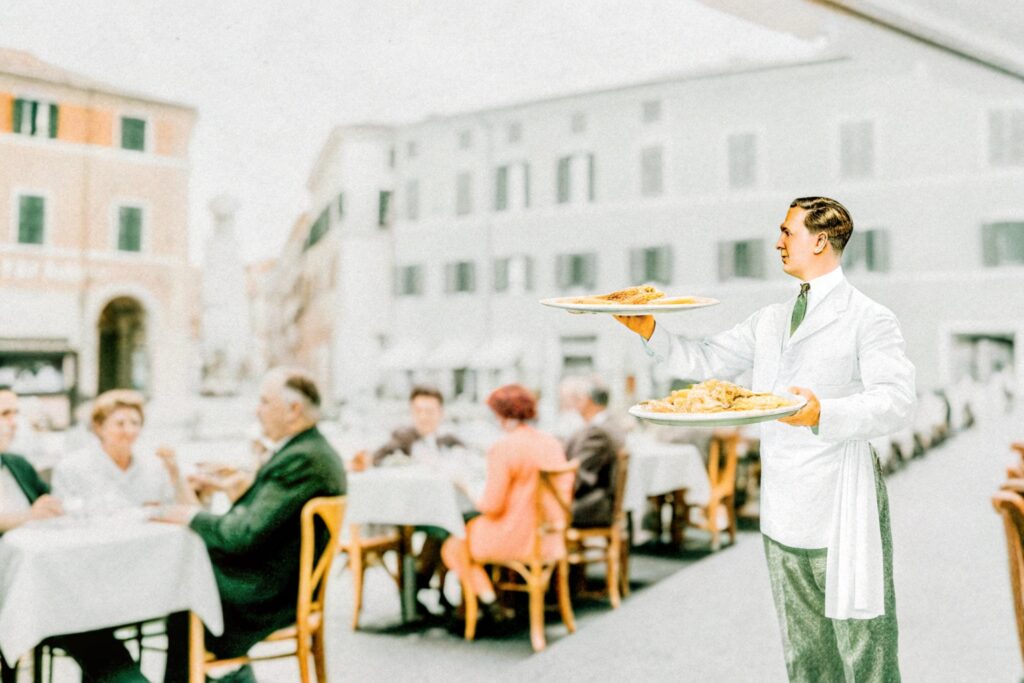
x,y
508,516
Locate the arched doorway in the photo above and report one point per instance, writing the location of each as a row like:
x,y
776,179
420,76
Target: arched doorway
x,y
123,362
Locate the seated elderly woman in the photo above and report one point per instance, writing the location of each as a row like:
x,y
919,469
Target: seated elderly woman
x,y
505,527
110,473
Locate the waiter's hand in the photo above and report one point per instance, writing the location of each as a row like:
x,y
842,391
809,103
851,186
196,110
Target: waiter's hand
x,y
175,514
641,324
808,415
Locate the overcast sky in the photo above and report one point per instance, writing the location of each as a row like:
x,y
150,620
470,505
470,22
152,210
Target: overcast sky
x,y
271,78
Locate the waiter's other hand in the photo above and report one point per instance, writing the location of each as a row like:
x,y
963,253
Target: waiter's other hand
x,y
808,415
641,324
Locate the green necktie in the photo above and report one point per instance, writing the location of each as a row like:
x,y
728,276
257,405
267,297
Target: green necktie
x,y
799,310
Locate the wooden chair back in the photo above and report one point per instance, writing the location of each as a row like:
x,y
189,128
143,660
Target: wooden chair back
x,y
1010,506
553,500
723,456
314,570
619,493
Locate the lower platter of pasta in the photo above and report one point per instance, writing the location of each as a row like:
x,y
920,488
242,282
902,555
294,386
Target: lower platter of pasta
x,y
716,403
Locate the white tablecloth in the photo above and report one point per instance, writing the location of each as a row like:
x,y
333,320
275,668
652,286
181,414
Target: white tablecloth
x,y
656,468
407,496
68,575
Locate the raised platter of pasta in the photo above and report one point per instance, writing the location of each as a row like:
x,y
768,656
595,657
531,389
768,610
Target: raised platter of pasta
x,y
640,300
716,403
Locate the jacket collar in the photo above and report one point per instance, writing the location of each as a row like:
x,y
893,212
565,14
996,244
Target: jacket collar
x,y
825,313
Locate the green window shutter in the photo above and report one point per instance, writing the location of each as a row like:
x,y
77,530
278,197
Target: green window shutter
x,y
501,188
133,134
989,247
528,274
589,262
341,205
16,114
526,186
664,262
129,229
726,261
564,191
383,200
31,219
501,274
590,177
54,118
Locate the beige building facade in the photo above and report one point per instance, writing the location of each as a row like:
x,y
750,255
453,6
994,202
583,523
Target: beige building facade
x,y
97,291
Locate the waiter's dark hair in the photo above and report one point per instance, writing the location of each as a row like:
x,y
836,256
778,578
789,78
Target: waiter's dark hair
x,y
828,216
423,390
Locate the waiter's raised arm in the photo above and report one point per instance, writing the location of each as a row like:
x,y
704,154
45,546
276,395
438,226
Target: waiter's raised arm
x,y
721,356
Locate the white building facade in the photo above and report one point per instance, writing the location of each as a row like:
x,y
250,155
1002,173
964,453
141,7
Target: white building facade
x,y
681,183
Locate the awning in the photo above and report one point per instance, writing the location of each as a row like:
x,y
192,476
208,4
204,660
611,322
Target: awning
x,y
405,355
500,352
452,353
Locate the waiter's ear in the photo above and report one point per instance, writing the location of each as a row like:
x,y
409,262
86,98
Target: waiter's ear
x,y
822,241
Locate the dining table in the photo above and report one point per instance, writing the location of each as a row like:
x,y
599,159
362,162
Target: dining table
x,y
408,496
71,574
657,468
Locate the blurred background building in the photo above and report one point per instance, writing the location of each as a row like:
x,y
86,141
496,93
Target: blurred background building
x,y
97,289
431,242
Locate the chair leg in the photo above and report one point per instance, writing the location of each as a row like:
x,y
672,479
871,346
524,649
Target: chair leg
x,y
355,563
564,598
535,587
613,554
196,650
732,520
319,656
469,602
302,654
712,515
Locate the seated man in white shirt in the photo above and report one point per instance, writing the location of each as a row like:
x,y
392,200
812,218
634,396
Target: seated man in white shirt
x,y
25,497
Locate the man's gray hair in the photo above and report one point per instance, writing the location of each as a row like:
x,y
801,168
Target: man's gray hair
x,y
298,386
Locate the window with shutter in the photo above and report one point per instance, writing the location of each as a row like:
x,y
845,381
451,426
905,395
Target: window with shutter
x,y
742,152
1006,137
383,208
501,275
412,200
651,171
591,183
129,228
564,190
133,134
463,194
1003,243
856,149
31,219
501,188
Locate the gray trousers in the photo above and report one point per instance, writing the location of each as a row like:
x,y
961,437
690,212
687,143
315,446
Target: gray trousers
x,y
819,649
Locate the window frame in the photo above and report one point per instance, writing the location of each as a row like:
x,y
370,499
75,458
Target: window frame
x,y
147,133
115,227
16,194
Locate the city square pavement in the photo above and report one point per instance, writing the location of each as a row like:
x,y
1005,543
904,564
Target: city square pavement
x,y
709,617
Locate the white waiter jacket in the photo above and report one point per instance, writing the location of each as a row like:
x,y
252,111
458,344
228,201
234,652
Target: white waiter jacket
x,y
817,486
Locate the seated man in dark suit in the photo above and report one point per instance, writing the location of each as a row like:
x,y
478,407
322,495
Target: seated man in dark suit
x,y
595,446
254,546
25,497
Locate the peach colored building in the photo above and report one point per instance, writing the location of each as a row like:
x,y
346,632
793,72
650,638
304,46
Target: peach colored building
x,y
95,287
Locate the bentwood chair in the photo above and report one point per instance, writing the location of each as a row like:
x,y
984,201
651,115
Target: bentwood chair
x,y
553,504
606,544
308,630
723,455
1009,503
361,550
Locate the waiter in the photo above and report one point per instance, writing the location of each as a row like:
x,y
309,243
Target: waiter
x,y
824,510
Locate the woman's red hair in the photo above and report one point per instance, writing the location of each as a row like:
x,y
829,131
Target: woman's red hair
x,y
514,402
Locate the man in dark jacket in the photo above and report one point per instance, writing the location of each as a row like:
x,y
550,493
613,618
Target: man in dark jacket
x,y
25,497
594,446
254,546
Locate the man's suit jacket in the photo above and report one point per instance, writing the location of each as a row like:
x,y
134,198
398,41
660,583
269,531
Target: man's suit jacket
x,y
402,440
254,546
595,447
26,476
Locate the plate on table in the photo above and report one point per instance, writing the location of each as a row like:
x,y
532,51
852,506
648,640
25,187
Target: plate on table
x,y
586,304
724,418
